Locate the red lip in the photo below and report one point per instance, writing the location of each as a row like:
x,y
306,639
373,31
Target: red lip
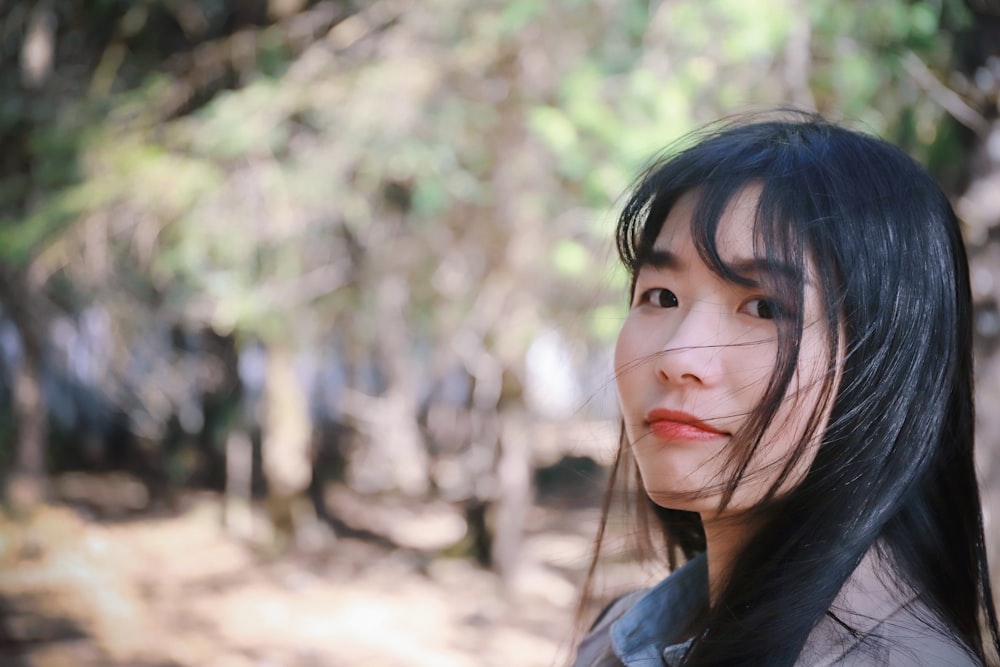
x,y
677,425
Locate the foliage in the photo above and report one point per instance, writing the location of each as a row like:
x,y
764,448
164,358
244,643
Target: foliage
x,y
423,190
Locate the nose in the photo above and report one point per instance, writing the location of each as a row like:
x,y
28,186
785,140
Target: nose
x,y
692,350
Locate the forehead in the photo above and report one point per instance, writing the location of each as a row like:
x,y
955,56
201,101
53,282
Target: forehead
x,y
735,240
734,234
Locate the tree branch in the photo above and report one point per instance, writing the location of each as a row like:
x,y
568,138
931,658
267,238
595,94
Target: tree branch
x,y
949,100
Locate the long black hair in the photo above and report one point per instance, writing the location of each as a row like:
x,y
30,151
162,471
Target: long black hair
x,y
894,470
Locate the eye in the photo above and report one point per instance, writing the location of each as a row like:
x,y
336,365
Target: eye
x,y
659,298
765,309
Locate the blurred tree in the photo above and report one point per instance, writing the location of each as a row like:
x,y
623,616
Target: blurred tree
x,y
971,167
421,193
67,68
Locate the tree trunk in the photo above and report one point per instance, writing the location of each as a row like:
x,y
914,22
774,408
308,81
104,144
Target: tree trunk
x,y
287,444
514,492
238,513
28,481
395,456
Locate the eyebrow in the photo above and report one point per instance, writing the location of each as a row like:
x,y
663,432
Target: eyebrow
x,y
659,258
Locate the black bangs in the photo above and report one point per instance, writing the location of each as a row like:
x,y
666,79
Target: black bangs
x,y
720,169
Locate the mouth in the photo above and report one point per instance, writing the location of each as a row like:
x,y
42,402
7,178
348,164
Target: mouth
x,y
677,425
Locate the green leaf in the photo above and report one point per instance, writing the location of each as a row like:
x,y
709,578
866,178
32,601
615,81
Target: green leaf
x,y
516,15
554,127
429,198
570,258
604,322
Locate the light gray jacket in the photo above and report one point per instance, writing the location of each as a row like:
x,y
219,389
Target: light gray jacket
x,y
893,629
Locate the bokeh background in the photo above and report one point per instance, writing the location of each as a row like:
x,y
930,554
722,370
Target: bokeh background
x,y
306,306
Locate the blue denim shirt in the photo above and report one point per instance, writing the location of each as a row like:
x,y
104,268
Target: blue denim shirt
x,y
649,634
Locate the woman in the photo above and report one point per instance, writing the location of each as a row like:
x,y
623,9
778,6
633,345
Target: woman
x,y
795,378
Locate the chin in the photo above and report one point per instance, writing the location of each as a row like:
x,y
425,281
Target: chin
x,y
674,500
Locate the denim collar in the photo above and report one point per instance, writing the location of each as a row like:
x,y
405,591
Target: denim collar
x,y
649,634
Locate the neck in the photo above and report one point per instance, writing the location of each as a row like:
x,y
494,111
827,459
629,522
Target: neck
x,y
724,538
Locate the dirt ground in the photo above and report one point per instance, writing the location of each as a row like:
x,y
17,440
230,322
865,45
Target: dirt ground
x,y
178,590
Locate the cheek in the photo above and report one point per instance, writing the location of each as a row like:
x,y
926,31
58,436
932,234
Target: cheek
x,y
625,356
810,375
803,399
628,349
621,350
634,360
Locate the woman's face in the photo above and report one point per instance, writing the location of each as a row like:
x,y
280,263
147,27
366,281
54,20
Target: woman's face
x,y
694,358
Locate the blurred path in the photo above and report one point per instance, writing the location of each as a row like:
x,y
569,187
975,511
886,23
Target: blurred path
x,y
177,591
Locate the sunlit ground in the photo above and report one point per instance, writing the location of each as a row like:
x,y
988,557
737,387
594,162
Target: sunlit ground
x,y
178,590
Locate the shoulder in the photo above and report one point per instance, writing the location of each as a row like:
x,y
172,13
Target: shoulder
x,y
638,628
907,638
596,649
875,622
